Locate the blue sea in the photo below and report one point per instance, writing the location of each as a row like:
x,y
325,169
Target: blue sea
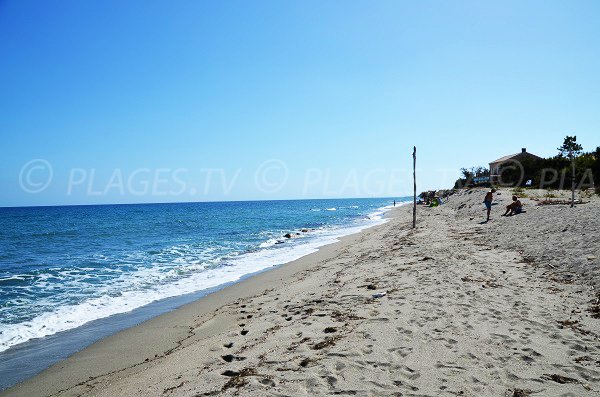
x,y
62,268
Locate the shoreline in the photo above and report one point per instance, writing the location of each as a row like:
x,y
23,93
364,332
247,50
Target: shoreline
x,y
455,307
110,326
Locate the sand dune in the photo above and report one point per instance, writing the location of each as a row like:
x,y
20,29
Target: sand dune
x,y
469,309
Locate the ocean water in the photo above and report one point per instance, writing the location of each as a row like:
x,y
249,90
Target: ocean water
x,y
64,267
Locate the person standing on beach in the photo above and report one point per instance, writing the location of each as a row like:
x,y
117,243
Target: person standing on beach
x,y
489,197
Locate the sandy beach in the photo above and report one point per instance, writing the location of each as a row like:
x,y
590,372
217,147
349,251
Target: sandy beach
x,y
456,307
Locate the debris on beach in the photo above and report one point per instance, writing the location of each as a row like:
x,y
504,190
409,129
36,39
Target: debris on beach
x,y
237,378
568,323
595,307
379,295
582,359
485,282
559,378
560,202
329,341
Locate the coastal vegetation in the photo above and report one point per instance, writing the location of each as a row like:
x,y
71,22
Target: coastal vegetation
x,y
556,172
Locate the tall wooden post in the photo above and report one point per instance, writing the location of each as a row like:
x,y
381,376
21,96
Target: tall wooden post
x,y
414,187
573,183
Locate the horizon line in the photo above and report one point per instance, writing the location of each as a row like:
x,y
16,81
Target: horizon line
x,y
201,202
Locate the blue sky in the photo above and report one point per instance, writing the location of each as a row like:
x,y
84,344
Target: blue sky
x,y
283,99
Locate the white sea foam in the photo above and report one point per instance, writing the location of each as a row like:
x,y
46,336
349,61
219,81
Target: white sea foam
x,y
155,285
270,242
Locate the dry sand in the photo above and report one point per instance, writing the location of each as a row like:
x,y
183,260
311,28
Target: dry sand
x,y
567,239
496,309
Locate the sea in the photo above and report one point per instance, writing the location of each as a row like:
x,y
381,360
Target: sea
x,y
70,275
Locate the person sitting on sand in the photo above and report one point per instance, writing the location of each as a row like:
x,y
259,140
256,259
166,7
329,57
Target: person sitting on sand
x,y
516,207
489,197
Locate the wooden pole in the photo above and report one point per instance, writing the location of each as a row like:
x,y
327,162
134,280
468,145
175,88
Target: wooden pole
x,y
573,182
414,187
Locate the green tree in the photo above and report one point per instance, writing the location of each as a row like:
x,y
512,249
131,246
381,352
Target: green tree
x,y
571,149
467,174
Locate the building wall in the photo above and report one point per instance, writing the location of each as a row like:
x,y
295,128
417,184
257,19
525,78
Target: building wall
x,y
495,167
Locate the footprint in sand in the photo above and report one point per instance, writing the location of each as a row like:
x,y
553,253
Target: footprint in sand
x,y
402,351
409,373
230,358
267,382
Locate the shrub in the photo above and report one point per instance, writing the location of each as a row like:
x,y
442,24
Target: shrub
x,y
549,194
519,191
586,193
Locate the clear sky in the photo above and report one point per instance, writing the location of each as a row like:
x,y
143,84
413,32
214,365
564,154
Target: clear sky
x,y
156,101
